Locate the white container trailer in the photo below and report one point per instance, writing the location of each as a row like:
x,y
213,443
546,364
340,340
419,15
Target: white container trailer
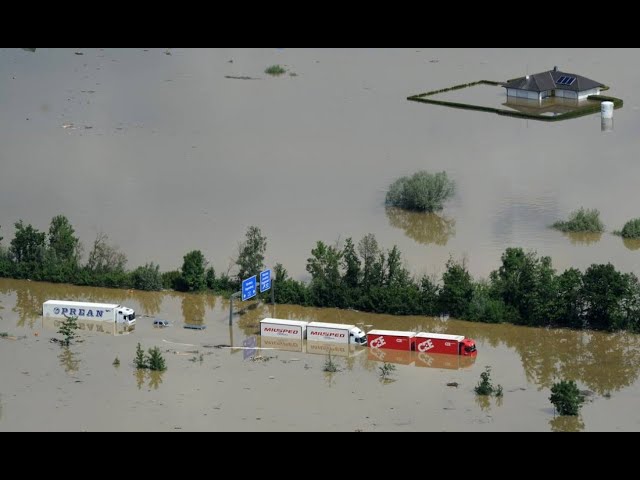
x,y
335,333
107,312
276,327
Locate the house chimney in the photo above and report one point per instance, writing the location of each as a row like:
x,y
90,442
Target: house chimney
x,y
555,68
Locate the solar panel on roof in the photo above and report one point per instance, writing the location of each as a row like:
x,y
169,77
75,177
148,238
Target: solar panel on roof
x,y
560,80
571,80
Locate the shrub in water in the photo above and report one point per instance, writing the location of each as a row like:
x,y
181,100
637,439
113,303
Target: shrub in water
x,y
422,192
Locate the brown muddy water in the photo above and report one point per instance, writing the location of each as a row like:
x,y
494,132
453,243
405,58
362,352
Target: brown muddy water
x,y
281,386
164,153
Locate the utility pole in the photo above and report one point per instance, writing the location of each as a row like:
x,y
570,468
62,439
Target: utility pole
x,y
237,294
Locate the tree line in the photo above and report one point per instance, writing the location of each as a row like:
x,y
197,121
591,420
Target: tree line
x,y
524,290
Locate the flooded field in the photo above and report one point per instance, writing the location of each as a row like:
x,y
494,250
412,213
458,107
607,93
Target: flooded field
x,y
166,153
269,384
170,150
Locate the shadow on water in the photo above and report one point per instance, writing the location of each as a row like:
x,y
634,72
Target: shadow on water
x,y
69,360
631,243
566,423
582,238
604,362
484,402
150,303
194,309
422,227
329,379
153,378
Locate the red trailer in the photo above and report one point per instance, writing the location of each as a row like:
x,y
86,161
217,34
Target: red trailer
x,y
444,343
392,339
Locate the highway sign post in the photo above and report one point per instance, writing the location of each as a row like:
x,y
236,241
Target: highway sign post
x,y
249,288
265,280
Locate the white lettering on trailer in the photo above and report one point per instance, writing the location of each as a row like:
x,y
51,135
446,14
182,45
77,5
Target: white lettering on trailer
x,y
281,330
378,342
425,346
328,334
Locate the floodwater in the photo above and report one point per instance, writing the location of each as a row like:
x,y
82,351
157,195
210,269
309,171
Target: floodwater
x,y
268,384
164,153
161,151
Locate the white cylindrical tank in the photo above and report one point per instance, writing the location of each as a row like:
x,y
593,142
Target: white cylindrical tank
x,y
606,109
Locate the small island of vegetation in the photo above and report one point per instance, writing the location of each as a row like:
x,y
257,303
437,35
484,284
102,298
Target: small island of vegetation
x,y
631,229
275,70
581,220
421,192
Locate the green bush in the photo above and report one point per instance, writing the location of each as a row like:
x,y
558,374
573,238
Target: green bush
x,y
386,370
485,387
147,277
193,271
68,329
139,361
581,221
155,360
631,229
275,70
423,191
329,365
172,280
566,397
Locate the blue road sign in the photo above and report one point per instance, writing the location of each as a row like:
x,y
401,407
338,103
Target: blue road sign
x,y
249,289
250,344
265,280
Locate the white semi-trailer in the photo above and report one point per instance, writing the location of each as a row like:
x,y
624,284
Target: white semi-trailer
x,y
107,312
277,327
335,333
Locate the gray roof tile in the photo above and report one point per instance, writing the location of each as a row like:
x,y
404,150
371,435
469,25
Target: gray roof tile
x,y
540,82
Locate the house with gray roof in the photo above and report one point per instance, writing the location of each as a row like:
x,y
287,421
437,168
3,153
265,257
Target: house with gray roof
x,y
552,83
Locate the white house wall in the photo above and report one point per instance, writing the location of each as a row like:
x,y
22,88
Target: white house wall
x,y
586,93
513,92
566,93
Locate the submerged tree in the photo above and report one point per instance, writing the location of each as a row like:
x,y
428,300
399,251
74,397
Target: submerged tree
x,y
105,258
423,191
68,329
581,220
147,277
566,397
63,244
251,253
193,271
27,250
